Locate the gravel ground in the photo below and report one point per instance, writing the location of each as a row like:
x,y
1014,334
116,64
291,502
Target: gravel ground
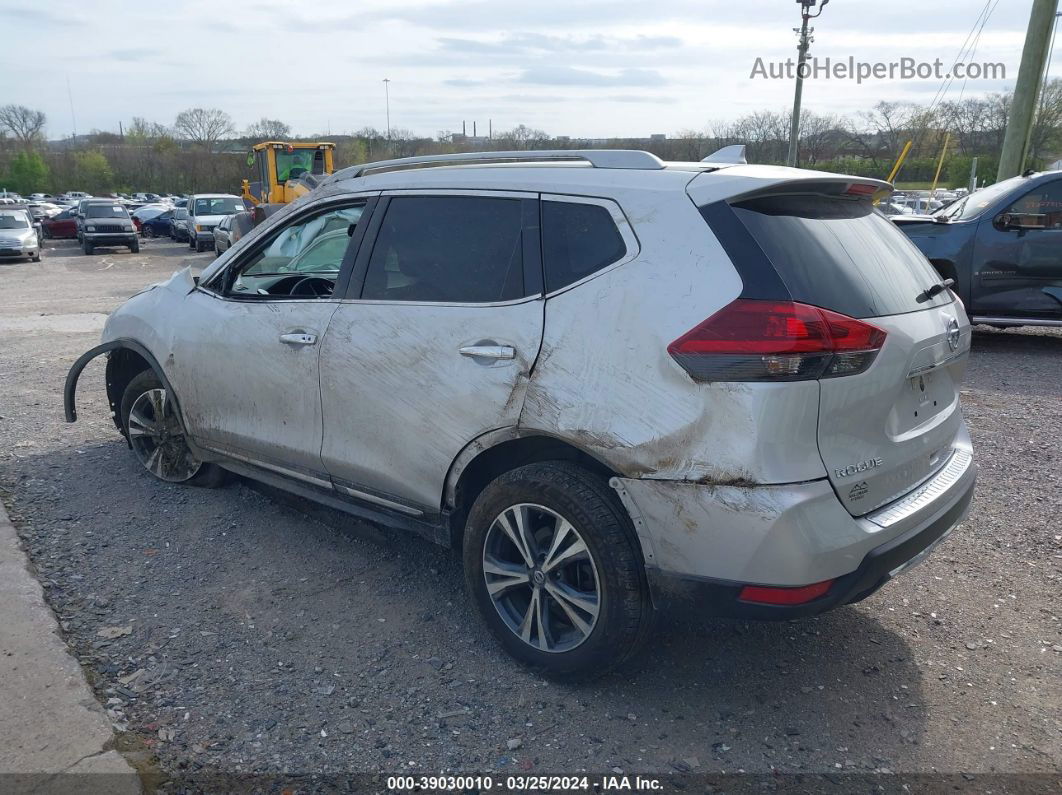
x,y
234,630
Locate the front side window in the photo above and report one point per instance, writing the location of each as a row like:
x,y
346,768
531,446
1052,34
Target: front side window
x,y
218,206
1040,208
302,259
577,240
448,249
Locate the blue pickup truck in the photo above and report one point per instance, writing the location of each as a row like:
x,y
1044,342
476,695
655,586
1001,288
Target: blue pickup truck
x,y
1003,247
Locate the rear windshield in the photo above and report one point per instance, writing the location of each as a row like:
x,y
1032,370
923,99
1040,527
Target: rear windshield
x,y
841,255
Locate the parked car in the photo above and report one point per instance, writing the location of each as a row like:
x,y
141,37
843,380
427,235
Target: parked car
x,y
82,207
205,211
179,224
62,225
158,225
108,225
614,388
1002,246
222,235
19,236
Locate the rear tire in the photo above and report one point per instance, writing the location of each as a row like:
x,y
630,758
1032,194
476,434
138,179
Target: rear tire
x,y
607,617
157,436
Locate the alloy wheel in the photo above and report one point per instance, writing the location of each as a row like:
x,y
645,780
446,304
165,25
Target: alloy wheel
x,y
157,438
541,577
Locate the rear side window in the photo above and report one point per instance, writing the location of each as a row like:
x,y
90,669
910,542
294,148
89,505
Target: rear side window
x,y
841,255
448,249
577,240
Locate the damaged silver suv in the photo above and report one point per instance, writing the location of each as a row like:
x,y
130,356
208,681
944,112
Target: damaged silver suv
x,y
615,384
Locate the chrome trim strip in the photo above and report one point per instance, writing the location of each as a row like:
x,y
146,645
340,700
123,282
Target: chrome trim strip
x,y
934,365
292,473
930,490
361,495
1016,321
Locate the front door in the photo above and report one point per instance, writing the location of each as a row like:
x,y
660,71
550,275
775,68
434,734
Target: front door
x,y
1018,254
437,345
246,363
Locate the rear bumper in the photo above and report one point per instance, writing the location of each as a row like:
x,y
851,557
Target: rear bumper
x,y
708,597
703,543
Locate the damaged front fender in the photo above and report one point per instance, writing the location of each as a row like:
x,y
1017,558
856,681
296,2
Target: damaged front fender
x,y
70,387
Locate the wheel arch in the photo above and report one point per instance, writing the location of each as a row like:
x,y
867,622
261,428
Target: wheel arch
x,y
495,453
125,358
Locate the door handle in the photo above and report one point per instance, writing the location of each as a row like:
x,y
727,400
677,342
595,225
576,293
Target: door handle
x,y
298,338
488,351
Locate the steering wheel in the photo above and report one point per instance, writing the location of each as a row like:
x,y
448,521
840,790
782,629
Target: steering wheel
x,y
316,286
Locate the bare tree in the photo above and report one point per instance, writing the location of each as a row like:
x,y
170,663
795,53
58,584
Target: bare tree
x,y
204,126
25,124
268,130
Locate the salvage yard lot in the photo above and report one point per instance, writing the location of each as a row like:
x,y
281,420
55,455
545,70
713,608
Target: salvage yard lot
x,y
266,635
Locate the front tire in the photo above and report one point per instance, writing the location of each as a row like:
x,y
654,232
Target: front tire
x,y
87,247
157,437
134,247
555,570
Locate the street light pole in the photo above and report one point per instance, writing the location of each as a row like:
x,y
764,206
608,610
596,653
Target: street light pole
x,y
387,101
802,56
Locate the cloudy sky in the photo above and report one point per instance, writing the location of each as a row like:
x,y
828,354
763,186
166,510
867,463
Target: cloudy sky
x,y
592,68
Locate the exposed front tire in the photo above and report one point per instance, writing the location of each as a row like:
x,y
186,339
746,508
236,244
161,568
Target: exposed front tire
x,y
554,568
86,247
157,437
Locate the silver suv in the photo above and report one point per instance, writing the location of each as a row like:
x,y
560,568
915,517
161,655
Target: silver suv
x,y
615,384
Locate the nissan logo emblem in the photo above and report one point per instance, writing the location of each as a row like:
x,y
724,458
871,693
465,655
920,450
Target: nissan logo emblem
x,y
953,334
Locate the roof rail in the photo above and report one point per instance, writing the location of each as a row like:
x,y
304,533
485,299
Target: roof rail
x,y
598,158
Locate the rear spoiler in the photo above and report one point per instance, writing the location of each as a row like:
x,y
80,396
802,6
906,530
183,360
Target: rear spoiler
x,y
740,183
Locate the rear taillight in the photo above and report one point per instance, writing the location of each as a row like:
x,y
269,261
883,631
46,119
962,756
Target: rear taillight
x,y
751,340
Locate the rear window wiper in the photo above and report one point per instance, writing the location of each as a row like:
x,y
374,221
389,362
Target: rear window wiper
x,y
932,292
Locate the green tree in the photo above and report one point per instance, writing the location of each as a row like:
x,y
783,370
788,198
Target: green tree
x,y
93,172
28,173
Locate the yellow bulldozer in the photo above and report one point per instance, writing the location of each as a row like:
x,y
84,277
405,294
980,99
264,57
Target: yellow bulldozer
x,y
285,171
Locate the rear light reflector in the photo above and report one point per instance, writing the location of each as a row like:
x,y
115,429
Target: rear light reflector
x,y
752,340
784,596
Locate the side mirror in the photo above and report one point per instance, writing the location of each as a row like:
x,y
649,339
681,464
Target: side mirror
x,y
1020,221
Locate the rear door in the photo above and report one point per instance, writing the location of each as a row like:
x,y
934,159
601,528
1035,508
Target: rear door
x,y
435,344
884,430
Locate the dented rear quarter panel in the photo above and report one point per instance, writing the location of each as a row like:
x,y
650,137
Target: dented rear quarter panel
x,y
605,382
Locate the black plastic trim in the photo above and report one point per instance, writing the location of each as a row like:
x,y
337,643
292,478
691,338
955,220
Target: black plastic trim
x,y
72,376
759,278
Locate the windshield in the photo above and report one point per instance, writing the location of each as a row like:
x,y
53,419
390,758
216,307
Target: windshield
x,y
13,221
105,211
973,205
300,162
219,206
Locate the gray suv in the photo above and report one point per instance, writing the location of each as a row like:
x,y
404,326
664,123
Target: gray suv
x,y
615,384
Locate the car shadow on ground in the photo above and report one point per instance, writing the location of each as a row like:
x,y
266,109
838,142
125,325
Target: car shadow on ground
x,y
267,577
1025,340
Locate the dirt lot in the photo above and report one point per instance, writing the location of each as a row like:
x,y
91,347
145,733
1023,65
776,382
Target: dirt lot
x,y
266,636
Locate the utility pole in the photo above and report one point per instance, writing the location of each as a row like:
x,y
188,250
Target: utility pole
x,y
1027,89
802,56
387,101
